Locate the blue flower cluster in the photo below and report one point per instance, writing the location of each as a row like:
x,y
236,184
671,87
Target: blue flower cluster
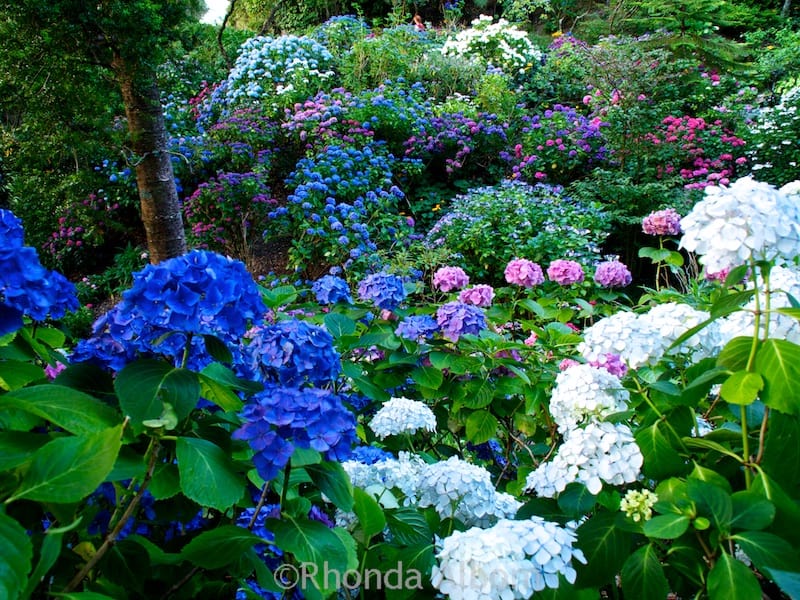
x,y
457,319
385,290
330,289
369,455
278,419
26,287
292,352
417,327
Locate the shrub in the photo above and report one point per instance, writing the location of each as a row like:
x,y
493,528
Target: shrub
x,y
773,142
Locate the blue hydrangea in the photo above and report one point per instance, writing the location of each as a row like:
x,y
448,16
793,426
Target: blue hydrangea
x,y
369,455
417,327
385,290
457,319
278,419
292,352
330,289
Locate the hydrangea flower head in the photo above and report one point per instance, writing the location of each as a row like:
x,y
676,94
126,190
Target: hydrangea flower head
x,y
638,504
565,272
662,222
458,489
292,352
612,274
402,416
612,363
456,319
330,289
417,327
747,220
478,295
385,290
584,393
448,279
524,272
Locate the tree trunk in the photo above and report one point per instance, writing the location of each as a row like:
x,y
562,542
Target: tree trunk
x,y
161,210
787,7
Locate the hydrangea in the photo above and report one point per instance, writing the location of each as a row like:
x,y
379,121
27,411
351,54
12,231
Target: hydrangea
x,y
600,452
612,274
565,272
292,352
381,477
369,455
612,363
584,393
330,289
637,343
278,419
526,273
512,559
417,327
448,279
385,290
478,295
748,220
673,319
402,416
456,319
458,489
638,504
662,222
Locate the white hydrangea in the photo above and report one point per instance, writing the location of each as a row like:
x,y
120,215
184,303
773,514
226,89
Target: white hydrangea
x,y
673,319
380,478
458,489
512,559
600,452
402,416
636,342
747,220
584,393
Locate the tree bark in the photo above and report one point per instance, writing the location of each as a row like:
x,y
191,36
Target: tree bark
x,y
158,196
787,6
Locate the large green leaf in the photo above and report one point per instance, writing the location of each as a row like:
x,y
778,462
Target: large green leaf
x,y
730,579
730,303
788,581
643,576
70,468
605,547
369,512
17,447
735,354
207,474
767,550
783,433
742,387
48,555
429,377
778,361
15,374
331,479
787,512
479,393
751,511
338,324
409,527
218,393
64,407
712,502
138,387
576,500
481,427
661,460
220,546
16,557
666,527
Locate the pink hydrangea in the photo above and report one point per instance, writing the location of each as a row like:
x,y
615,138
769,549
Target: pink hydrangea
x,y
531,339
662,222
567,363
565,272
612,363
611,274
524,272
478,295
448,279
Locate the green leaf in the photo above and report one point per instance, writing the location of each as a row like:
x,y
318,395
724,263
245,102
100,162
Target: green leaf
x,y
331,479
217,349
712,502
788,581
661,460
17,447
787,512
68,469
15,374
409,527
735,354
220,546
181,389
138,387
643,576
730,579
276,297
751,511
742,388
479,394
779,363
165,482
338,324
64,407
16,558
207,474
705,474
666,527
730,303
369,512
674,259
218,393
48,555
429,377
657,255
576,500
783,433
767,550
605,546
224,376
481,427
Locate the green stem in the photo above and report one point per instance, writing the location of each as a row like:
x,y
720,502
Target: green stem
x,y
260,504
285,489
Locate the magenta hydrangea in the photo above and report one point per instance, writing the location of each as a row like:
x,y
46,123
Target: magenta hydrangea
x,y
478,295
612,363
612,274
524,272
448,279
662,222
565,272
457,319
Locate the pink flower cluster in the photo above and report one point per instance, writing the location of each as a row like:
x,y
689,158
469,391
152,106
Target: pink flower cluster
x,y
611,274
524,272
478,295
448,279
565,272
612,363
662,222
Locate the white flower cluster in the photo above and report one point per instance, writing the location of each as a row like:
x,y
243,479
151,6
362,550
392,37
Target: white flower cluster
x,y
584,393
600,452
402,416
512,559
268,67
747,220
382,477
500,44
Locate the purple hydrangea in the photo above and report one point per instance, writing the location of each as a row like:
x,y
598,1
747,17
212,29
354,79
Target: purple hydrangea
x,y
278,419
565,272
417,327
330,289
611,274
662,222
386,290
457,319
292,352
448,279
612,363
478,295
524,272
